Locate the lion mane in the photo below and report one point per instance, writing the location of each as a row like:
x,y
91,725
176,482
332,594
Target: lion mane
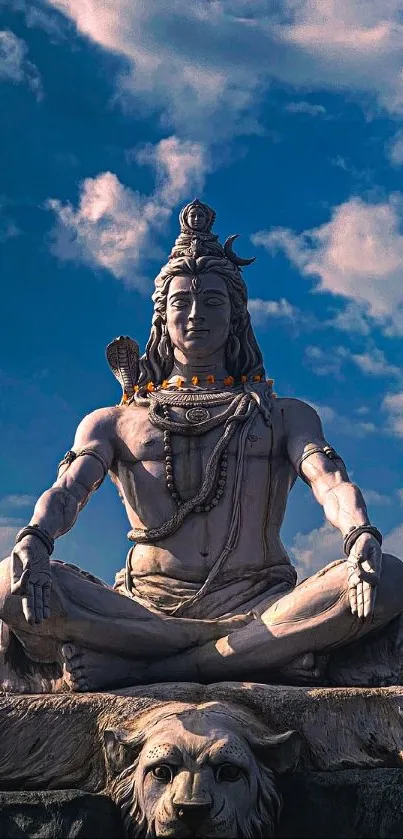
x,y
125,787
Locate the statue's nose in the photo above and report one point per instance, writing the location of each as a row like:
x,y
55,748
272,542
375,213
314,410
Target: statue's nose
x,y
192,813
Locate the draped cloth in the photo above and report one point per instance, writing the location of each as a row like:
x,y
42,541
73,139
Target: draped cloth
x,y
225,597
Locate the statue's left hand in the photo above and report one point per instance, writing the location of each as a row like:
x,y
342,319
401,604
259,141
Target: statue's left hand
x,y
364,571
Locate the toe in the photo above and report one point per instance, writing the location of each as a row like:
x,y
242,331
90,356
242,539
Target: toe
x,y
68,651
81,685
308,661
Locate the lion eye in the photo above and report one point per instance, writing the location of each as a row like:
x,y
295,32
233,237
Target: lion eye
x,y
228,772
162,773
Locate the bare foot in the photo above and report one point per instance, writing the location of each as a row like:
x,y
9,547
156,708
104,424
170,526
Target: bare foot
x,y
85,670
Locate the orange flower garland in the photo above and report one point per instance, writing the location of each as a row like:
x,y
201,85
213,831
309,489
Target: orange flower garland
x,y
180,381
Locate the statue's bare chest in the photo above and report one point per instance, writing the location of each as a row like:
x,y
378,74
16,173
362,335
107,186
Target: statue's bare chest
x,y
140,441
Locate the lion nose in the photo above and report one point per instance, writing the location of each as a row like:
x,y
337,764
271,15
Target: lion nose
x,y
192,814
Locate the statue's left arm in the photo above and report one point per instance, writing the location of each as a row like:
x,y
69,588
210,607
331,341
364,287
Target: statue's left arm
x,y
319,465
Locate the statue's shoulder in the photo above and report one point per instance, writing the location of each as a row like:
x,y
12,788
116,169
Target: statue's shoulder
x,y
101,421
291,405
296,413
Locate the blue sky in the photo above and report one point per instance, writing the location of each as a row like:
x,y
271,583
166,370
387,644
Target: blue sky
x,y
288,119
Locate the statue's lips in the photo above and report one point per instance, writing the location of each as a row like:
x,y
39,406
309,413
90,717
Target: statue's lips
x,y
195,333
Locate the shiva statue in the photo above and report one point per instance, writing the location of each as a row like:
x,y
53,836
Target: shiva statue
x,y
203,456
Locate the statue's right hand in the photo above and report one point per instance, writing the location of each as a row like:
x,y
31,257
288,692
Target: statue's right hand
x,y
31,578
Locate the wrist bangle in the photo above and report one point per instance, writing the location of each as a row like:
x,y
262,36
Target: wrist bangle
x,y
354,532
40,532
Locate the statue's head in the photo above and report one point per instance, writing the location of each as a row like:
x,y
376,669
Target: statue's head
x,y
200,303
204,770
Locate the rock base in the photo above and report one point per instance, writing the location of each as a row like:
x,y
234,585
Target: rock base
x,y
64,814
56,782
349,804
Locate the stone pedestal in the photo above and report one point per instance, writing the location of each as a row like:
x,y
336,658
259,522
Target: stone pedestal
x,y
348,782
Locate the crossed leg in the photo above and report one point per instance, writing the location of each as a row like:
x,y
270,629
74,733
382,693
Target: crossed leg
x,y
314,617
93,624
107,639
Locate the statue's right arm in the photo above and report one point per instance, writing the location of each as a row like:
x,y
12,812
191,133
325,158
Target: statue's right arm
x,y
57,509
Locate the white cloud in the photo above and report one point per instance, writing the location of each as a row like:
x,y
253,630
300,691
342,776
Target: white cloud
x,y
399,494
312,551
357,255
393,542
326,362
303,107
374,363
377,499
8,227
7,539
180,166
113,225
351,319
394,149
329,361
358,174
17,501
14,65
281,309
205,65
344,425
393,405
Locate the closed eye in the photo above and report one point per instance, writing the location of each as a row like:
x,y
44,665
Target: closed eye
x,y
215,301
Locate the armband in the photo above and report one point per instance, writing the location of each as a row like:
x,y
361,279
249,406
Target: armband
x,y
98,457
67,460
354,532
40,532
329,451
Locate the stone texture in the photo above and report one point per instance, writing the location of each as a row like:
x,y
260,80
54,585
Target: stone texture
x,y
350,804
58,815
348,782
58,736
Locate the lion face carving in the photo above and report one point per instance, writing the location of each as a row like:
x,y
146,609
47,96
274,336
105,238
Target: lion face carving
x,y
203,771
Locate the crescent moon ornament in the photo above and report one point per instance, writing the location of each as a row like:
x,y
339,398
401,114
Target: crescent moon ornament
x,y
229,253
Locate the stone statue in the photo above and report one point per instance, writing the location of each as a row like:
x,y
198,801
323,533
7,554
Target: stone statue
x,y
209,768
203,455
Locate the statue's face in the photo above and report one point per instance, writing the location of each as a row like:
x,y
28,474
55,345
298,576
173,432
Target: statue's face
x,y
196,218
198,322
197,777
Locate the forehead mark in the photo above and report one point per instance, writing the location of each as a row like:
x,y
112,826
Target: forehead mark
x,y
231,749
161,750
186,294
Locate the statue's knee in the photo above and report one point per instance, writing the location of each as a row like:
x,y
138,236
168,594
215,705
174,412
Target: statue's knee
x,y
392,568
5,583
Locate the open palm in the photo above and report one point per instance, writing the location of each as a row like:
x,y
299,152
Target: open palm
x,y
364,571
31,578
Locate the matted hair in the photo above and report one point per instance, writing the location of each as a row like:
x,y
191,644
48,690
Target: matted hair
x,y
242,353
